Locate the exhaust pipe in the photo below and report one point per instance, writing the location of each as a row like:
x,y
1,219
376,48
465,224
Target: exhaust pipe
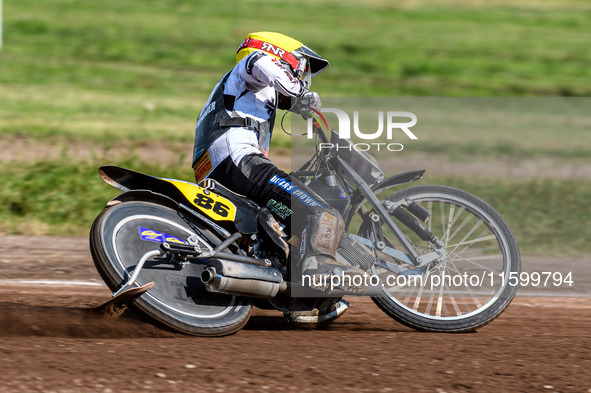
x,y
235,278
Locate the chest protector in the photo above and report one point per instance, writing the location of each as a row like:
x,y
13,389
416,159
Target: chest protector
x,y
214,121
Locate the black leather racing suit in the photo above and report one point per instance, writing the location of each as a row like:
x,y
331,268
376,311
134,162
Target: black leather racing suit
x,y
232,139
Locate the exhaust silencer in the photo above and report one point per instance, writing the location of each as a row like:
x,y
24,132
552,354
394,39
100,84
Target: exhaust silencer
x,y
235,278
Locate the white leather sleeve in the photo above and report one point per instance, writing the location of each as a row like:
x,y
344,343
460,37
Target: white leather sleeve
x,y
265,71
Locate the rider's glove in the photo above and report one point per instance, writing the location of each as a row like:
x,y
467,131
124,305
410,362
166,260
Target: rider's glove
x,y
307,101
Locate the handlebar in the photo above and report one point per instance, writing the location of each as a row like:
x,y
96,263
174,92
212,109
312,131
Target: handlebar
x,y
317,127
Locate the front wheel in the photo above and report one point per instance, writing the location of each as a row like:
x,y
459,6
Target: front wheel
x,y
465,288
126,231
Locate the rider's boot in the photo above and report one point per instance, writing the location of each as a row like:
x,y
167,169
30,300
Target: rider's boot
x,y
315,318
326,274
319,268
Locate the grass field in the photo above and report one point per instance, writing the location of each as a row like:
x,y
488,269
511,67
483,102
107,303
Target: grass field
x,y
142,69
548,217
114,72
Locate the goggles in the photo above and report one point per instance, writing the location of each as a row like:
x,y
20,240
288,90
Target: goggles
x,y
298,65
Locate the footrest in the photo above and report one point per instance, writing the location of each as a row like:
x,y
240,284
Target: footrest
x,y
183,249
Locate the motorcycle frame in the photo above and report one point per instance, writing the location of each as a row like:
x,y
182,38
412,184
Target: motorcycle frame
x,y
365,192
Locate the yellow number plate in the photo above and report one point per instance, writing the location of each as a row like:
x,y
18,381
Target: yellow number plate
x,y
213,205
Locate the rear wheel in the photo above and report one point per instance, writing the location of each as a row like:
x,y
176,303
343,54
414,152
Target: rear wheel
x,y
124,232
469,285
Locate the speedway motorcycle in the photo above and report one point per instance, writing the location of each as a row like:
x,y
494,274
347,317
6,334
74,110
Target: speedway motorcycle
x,y
198,257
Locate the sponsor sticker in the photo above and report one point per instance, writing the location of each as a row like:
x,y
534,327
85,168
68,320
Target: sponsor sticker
x,y
279,208
327,219
158,237
303,243
282,183
202,167
293,190
304,197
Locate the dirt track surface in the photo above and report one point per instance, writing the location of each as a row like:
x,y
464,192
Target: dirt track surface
x,y
49,343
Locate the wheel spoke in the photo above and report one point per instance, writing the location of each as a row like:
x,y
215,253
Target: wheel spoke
x,y
459,228
420,294
430,219
450,222
469,233
455,305
468,290
472,249
442,211
471,242
439,301
471,260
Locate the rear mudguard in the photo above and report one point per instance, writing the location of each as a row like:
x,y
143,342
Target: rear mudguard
x,y
233,213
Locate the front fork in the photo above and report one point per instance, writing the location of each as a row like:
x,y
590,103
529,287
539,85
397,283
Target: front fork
x,y
384,215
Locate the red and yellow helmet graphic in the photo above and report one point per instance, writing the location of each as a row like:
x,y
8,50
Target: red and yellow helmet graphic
x,y
285,48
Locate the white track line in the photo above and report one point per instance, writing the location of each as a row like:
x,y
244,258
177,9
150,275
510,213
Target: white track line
x,y
52,282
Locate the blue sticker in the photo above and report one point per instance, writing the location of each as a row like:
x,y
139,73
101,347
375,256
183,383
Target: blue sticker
x,y
280,182
293,190
158,237
342,194
305,198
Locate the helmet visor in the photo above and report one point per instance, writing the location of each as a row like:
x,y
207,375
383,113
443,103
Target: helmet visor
x,y
316,63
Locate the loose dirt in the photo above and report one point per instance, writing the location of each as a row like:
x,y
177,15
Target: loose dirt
x,y
48,343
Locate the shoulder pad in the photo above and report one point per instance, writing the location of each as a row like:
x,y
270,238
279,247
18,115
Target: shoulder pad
x,y
253,58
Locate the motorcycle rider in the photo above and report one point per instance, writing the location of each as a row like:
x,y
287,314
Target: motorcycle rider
x,y
232,139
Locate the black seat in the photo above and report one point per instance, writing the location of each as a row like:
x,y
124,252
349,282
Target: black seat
x,y
215,186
